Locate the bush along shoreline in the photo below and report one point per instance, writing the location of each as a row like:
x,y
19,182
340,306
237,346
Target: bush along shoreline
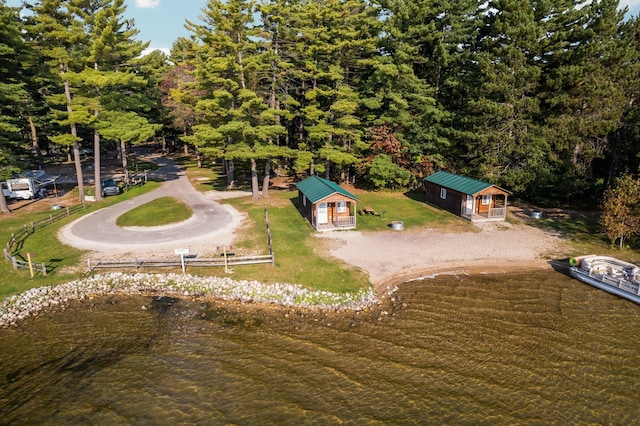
x,y
31,302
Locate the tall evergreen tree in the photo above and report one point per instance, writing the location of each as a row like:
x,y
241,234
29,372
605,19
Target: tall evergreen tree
x,y
61,38
401,89
504,141
12,93
585,92
236,119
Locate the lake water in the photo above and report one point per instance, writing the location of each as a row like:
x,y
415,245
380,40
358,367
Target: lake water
x,y
465,350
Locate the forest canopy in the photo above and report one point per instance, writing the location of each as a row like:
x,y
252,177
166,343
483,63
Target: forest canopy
x,y
534,96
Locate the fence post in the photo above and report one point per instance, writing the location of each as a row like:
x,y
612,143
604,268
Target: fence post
x,y
50,219
44,269
33,227
26,230
15,262
67,211
266,217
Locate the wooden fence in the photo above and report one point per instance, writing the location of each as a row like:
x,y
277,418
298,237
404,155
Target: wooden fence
x,y
226,259
16,241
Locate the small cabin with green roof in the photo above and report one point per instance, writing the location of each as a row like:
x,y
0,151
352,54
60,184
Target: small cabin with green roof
x,y
469,198
326,205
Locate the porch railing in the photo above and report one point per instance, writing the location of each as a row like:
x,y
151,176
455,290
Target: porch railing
x,y
498,212
343,222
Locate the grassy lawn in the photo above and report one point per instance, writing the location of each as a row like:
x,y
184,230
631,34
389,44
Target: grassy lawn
x,y
203,178
298,259
161,211
583,231
62,261
409,208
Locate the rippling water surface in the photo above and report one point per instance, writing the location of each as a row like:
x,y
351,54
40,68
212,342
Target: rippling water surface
x,y
525,349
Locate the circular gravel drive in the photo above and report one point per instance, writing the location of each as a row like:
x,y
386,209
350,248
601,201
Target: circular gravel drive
x,y
211,225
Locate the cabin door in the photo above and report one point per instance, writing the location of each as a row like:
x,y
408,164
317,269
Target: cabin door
x,y
322,213
469,206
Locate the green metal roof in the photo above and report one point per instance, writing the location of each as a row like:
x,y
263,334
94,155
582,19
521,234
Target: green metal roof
x,y
461,184
315,188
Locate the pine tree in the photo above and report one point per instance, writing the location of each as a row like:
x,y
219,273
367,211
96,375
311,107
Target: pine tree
x,y
111,48
235,118
586,81
402,86
12,92
61,38
504,142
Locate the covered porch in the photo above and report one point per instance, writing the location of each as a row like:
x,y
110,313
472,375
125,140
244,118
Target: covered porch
x,y
485,206
332,216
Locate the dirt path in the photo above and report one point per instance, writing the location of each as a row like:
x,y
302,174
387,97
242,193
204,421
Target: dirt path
x,y
390,257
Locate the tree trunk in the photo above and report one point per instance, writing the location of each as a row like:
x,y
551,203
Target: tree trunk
x,y
97,164
78,164
4,208
267,178
255,191
199,158
34,141
96,152
76,148
186,148
125,165
230,169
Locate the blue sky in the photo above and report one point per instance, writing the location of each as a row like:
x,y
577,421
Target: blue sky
x,y
161,22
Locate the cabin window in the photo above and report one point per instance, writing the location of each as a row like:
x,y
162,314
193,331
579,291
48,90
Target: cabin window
x,y
304,200
342,206
486,200
443,193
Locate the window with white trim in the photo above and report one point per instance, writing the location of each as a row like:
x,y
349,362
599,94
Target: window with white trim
x,y
304,200
486,199
443,193
342,206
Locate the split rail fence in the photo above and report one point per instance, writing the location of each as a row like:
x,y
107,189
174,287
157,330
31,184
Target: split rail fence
x,y
226,259
15,243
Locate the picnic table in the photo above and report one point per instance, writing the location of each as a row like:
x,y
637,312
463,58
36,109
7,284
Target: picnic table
x,y
370,210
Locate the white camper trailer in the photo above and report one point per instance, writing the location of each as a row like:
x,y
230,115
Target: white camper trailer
x,y
28,185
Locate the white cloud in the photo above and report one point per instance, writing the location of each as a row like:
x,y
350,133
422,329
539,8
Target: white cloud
x,y
148,50
147,4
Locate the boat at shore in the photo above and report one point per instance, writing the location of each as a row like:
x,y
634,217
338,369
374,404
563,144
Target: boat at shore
x,y
608,274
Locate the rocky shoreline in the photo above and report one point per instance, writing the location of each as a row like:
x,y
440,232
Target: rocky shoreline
x,y
31,302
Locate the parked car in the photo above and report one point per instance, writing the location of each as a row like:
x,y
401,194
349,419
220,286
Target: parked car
x,y
110,187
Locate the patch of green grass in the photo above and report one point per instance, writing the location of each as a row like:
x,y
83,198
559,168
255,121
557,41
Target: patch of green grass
x,y
161,211
141,166
582,230
204,178
409,208
62,261
299,257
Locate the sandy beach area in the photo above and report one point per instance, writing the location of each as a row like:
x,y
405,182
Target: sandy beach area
x,y
396,256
